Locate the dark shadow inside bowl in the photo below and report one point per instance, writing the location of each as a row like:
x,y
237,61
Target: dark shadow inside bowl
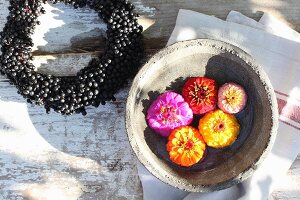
x,y
222,70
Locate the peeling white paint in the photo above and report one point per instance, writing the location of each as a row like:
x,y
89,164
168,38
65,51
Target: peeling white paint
x,y
61,23
144,10
61,65
58,186
71,156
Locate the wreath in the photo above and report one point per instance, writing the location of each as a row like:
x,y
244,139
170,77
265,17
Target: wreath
x,y
93,85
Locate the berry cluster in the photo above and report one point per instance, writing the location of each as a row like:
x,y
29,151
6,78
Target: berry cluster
x,y
93,85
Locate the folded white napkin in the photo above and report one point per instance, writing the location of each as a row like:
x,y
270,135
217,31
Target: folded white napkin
x,y
275,47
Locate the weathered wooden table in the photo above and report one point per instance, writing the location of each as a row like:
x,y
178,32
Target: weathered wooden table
x,y
49,156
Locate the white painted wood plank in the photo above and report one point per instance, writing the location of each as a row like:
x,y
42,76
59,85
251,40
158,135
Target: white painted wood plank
x,y
50,156
66,29
61,64
63,26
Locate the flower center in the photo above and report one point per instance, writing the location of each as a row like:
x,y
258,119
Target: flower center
x,y
233,98
220,126
189,144
168,113
201,94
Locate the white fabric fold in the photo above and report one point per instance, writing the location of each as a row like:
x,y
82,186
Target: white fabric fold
x,y
279,54
241,19
278,28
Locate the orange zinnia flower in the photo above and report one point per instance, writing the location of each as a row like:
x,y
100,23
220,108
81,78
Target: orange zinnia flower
x,y
219,129
185,146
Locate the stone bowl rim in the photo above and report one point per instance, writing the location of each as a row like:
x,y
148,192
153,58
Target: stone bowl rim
x,y
263,78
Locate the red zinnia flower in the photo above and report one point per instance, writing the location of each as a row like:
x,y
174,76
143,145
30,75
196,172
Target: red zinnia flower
x,y
201,94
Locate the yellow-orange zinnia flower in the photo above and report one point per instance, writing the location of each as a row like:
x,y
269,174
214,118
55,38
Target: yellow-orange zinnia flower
x,y
219,129
186,146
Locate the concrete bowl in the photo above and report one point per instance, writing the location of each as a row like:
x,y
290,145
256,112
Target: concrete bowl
x,y
168,70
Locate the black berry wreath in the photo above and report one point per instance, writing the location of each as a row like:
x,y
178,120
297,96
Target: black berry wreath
x,y
93,85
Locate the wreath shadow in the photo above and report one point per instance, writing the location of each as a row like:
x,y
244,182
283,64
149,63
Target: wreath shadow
x,y
78,34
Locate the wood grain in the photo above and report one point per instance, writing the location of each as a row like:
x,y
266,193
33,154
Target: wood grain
x,y
76,156
81,30
48,156
88,155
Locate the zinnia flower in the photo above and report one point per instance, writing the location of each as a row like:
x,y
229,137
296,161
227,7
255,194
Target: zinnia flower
x,y
186,146
232,98
201,94
168,112
219,129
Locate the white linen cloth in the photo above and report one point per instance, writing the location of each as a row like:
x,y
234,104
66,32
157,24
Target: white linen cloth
x,y
275,47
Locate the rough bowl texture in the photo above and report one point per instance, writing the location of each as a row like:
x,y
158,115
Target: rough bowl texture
x,y
168,70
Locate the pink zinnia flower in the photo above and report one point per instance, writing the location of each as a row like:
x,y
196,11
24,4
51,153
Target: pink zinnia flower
x,y
167,112
232,98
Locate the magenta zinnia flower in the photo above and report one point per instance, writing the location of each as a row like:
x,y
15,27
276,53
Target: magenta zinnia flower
x,y
167,112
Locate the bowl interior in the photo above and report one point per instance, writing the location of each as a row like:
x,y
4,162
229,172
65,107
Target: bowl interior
x,y
168,70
